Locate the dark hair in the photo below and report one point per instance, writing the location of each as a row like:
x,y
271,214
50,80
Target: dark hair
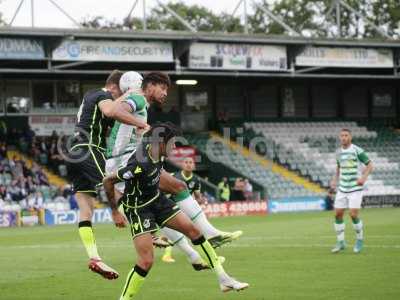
x,y
114,77
163,131
156,78
347,130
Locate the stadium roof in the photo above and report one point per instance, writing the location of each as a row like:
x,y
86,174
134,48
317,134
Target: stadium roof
x,y
190,36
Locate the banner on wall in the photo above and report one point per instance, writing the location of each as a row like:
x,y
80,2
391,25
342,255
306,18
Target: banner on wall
x,y
237,57
345,57
179,153
45,125
31,217
8,218
382,100
295,204
123,51
21,49
381,201
196,99
235,208
102,215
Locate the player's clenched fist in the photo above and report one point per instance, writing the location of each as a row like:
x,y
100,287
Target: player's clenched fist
x,y
119,219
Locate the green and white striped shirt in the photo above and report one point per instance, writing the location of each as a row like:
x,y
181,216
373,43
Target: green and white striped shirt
x,y
349,162
125,138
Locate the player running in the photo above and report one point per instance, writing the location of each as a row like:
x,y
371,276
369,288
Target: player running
x,y
147,209
86,160
350,189
194,186
124,139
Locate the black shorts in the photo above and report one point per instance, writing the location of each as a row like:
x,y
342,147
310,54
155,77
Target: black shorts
x,y
86,166
151,217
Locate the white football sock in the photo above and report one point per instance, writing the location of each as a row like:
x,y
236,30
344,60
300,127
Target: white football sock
x,y
182,243
339,228
359,230
193,210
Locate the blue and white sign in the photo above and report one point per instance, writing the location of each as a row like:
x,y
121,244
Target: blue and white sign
x,y
123,51
296,204
72,216
21,49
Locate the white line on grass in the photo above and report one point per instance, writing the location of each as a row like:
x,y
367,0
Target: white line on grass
x,y
237,245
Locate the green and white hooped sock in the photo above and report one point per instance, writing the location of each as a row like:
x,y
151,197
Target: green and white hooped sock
x,y
358,227
339,228
194,211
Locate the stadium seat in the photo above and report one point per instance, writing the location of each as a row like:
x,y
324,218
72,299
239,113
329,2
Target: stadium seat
x,y
309,148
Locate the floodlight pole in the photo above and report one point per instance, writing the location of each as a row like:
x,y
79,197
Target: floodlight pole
x,y
338,18
32,13
144,16
277,19
16,12
377,29
65,13
132,9
177,16
246,25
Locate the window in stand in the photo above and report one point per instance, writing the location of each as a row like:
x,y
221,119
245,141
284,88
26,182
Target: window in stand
x,y
43,96
91,85
17,96
68,98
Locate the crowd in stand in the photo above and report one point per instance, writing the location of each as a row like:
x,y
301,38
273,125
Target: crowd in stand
x,y
27,187
241,190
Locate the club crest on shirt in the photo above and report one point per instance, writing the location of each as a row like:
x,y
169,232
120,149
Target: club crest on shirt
x,y
127,175
146,223
191,184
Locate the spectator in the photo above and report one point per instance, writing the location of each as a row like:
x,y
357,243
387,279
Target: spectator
x,y
238,190
3,131
4,195
33,201
248,190
224,189
3,150
329,199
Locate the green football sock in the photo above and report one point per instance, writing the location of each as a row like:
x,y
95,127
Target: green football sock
x,y
210,256
182,195
133,283
338,221
88,240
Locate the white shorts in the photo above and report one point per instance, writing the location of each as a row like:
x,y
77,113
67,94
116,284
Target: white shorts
x,y
348,200
113,164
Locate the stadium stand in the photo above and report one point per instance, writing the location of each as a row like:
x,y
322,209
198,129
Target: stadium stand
x,y
24,184
309,148
277,181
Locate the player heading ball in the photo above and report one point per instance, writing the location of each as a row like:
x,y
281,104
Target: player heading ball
x,y
147,209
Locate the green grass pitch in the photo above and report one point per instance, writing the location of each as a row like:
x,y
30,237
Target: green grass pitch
x,y
285,256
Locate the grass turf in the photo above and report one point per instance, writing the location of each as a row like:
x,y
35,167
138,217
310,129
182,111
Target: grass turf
x,y
285,256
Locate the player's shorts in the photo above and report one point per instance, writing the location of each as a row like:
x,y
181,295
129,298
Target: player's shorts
x,y
113,164
151,217
85,168
349,200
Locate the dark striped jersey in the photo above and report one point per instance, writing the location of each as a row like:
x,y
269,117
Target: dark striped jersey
x,y
142,178
192,182
92,126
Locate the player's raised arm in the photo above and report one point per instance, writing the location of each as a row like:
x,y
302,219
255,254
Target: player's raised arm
x,y
121,111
